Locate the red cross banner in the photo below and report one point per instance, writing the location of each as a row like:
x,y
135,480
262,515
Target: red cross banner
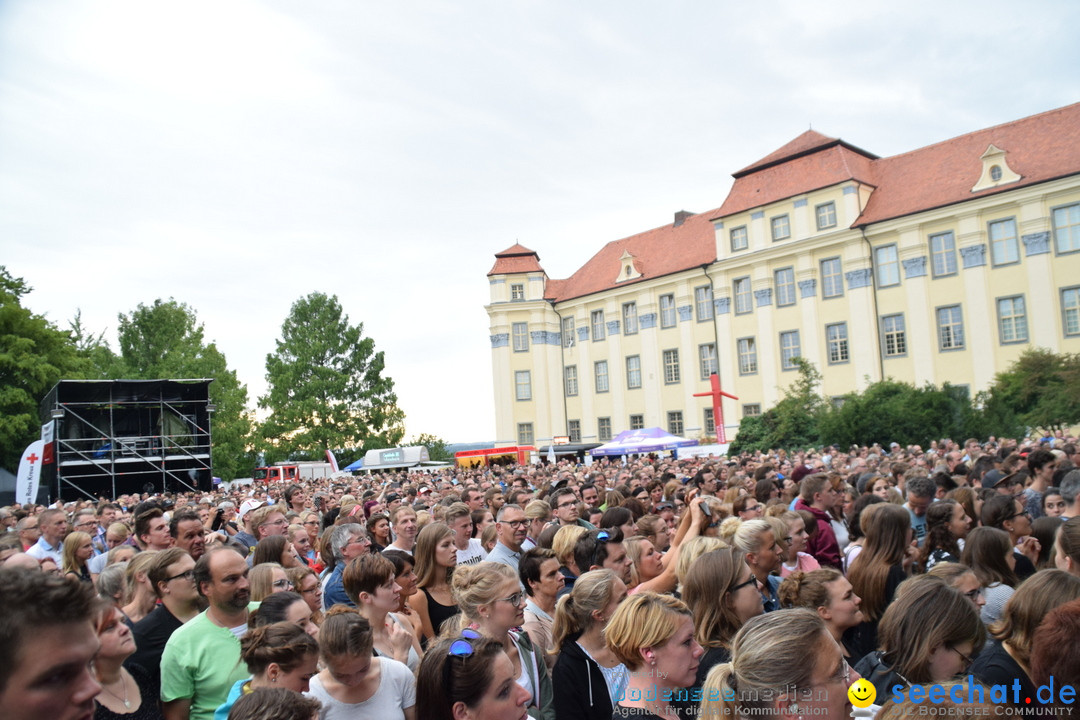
x,y
26,482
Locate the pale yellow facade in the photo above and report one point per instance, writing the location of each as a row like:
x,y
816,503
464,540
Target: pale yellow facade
x,y
947,294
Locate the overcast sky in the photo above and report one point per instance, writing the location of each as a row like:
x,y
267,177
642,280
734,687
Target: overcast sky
x,y
238,155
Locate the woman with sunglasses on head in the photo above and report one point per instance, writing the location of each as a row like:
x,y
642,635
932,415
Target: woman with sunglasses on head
x,y
469,677
1008,658
587,676
653,635
369,582
278,655
493,604
722,594
929,634
355,682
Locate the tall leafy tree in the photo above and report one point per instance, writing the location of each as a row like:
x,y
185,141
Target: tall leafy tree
x,y
435,445
34,355
166,340
1040,390
327,386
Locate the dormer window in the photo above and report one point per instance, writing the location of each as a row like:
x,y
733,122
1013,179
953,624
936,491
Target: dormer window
x,y
995,170
628,270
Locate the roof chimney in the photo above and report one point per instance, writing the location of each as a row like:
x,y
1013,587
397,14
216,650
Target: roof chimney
x,y
681,216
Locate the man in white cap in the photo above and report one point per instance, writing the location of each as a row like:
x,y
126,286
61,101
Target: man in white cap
x,y
245,537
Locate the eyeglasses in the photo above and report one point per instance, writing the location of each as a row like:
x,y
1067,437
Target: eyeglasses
x,y
740,586
514,599
463,647
965,658
277,523
188,575
568,503
364,540
283,585
518,524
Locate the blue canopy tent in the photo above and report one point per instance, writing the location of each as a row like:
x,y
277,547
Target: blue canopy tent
x,y
639,442
354,466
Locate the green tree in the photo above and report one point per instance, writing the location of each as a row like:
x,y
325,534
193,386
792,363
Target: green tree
x,y
792,422
166,340
435,445
1040,390
327,387
34,355
100,362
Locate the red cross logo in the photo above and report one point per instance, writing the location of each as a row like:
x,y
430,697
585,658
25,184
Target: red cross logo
x,y
33,458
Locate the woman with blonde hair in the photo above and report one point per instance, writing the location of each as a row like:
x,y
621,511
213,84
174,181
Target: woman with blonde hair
x,y
692,549
77,551
140,597
828,593
492,604
563,544
266,579
758,541
306,584
795,537
963,579
1008,660
929,634
783,664
436,557
653,636
721,592
587,676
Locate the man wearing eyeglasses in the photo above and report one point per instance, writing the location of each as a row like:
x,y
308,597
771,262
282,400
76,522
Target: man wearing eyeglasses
x,y
511,528
347,541
564,505
172,576
267,521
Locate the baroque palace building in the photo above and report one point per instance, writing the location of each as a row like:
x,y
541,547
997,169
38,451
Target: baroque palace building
x,y
938,265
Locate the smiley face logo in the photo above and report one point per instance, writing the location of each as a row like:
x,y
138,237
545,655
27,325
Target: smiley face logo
x,y
862,693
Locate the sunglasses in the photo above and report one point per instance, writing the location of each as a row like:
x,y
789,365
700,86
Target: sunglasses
x,y
463,646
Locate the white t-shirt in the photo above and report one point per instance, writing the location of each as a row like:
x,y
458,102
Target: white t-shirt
x,y
397,691
473,554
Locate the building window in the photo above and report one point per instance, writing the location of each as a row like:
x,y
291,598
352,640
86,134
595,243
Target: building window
x,y
1004,248
950,328
784,281
703,303
598,327
521,337
517,292
629,318
525,433
600,368
744,299
1070,310
671,367
710,422
523,385
674,422
573,429
943,254
893,335
603,429
781,228
789,349
751,410
633,372
1067,228
887,263
637,422
707,356
747,356
738,238
667,311
1012,319
568,332
570,379
826,215
836,341
832,278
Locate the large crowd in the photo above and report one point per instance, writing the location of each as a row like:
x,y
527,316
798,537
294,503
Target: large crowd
x,y
652,587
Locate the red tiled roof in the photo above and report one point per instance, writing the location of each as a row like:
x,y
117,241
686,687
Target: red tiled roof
x,y
662,251
819,165
1039,148
809,140
515,259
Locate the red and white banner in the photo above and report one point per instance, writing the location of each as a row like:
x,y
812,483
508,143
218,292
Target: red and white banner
x,y
26,482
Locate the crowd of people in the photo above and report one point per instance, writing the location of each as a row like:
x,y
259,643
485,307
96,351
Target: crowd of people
x,y
764,584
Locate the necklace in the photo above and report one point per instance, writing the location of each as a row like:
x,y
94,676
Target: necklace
x,y
123,684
